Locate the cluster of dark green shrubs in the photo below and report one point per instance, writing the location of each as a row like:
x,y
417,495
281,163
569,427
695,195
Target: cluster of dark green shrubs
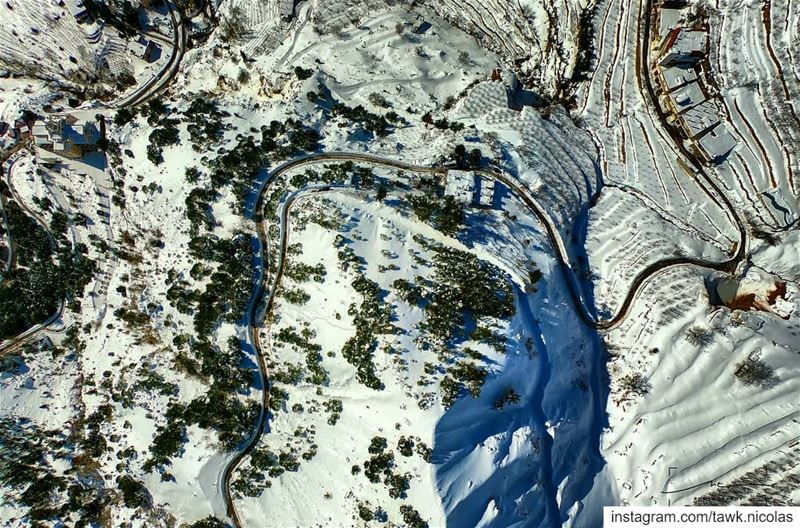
x,y
205,122
371,317
445,214
31,482
379,468
44,274
303,342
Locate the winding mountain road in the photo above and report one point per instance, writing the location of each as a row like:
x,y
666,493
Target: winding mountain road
x,y
514,185
157,84
523,193
33,333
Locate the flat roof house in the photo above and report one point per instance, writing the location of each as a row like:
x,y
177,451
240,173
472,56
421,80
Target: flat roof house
x,y
142,49
486,192
669,18
686,97
460,185
700,118
286,9
676,76
76,9
717,144
684,45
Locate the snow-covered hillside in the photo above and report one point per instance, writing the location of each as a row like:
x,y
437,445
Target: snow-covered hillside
x,y
369,263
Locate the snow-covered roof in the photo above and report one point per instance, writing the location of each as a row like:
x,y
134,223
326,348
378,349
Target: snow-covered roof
x,y
460,185
81,133
286,8
701,117
676,76
718,142
76,8
40,130
688,96
690,42
138,49
486,194
669,19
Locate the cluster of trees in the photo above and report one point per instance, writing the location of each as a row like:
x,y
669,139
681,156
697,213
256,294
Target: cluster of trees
x,y
411,293
464,286
463,377
371,318
122,15
379,125
303,342
225,297
442,123
31,482
754,371
205,121
234,25
263,463
219,410
44,275
445,214
167,134
300,272
412,518
467,161
198,208
382,464
228,291
509,397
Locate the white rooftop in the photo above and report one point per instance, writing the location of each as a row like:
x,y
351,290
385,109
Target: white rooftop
x,y
286,8
669,19
75,7
486,194
701,117
690,41
718,142
137,48
676,76
40,129
688,96
460,185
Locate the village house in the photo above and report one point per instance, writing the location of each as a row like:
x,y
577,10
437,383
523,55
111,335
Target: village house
x,y
286,9
65,137
421,26
23,132
683,45
486,192
716,144
670,16
142,49
699,118
76,9
460,185
673,77
685,97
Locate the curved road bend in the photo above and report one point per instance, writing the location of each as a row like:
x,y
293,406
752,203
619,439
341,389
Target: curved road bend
x,y
35,331
512,183
154,86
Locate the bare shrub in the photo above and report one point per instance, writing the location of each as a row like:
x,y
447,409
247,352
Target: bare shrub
x,y
754,371
699,336
635,384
